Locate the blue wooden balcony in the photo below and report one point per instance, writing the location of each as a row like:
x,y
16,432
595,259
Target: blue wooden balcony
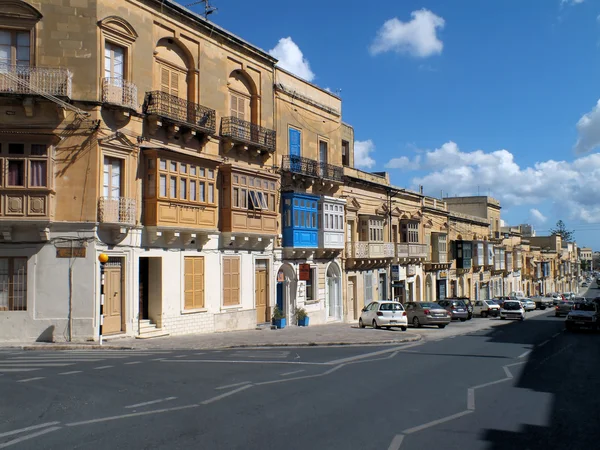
x,y
300,220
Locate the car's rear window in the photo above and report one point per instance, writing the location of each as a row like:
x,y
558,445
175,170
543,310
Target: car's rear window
x,y
459,304
584,307
391,307
431,305
512,305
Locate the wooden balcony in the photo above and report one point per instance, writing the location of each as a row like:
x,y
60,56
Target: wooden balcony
x,y
411,251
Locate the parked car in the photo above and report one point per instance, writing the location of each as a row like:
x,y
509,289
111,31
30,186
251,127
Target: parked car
x,y
485,308
457,308
569,295
583,315
512,309
500,300
384,314
584,284
563,308
528,304
543,302
557,298
427,313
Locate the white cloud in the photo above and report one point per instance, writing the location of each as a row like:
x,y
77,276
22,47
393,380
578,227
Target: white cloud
x,y
571,2
291,58
362,154
537,216
404,163
571,186
418,37
588,129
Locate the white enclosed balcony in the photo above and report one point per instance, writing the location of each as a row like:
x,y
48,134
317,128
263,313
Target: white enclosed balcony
x,y
117,210
27,80
331,217
119,92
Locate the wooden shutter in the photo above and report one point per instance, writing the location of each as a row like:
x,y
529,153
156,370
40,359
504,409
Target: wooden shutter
x,y
194,282
238,107
231,281
169,80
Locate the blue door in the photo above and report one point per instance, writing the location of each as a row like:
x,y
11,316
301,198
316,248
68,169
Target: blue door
x,y
295,137
280,295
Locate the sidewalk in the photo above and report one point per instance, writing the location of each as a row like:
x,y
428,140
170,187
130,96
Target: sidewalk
x,y
316,335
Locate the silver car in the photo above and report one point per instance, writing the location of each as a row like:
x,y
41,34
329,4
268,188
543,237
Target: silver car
x,y
427,313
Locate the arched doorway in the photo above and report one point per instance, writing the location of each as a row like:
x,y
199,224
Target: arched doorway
x,y
334,291
173,71
286,291
418,287
428,289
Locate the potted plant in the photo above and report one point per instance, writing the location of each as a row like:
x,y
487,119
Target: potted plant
x,y
278,318
302,317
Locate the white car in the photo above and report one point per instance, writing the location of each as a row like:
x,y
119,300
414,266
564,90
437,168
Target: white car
x,y
512,309
485,308
384,314
528,304
583,315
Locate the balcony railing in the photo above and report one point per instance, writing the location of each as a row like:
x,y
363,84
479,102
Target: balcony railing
x,y
368,250
247,132
117,210
117,91
26,80
180,111
312,168
406,250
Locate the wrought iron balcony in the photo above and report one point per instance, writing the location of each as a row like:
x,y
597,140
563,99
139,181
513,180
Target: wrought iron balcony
x,y
180,111
242,131
117,210
120,92
26,80
369,250
312,168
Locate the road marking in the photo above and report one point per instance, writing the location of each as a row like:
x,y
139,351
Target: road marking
x,y
158,359
30,379
71,372
61,360
30,364
556,334
29,436
33,427
232,385
396,442
103,367
543,343
133,362
180,356
198,354
16,370
125,416
471,399
226,361
227,394
437,422
291,373
368,355
153,402
523,355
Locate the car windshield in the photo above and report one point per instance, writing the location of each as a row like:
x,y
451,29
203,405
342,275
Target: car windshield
x,y
490,302
584,307
391,307
512,306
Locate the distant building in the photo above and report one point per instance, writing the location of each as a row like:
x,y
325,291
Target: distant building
x,y
527,230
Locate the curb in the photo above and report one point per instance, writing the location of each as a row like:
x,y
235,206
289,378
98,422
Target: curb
x,y
52,347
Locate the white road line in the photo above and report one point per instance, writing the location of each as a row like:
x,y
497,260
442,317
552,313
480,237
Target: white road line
x,y
31,364
523,355
396,442
232,385
125,416
291,373
437,422
198,354
29,436
471,399
227,361
556,334
133,362
71,372
369,355
153,402
543,343
158,359
180,356
103,367
17,370
27,380
227,394
65,360
33,427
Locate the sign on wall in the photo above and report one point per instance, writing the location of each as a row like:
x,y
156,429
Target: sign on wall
x,y
442,275
304,272
411,270
395,272
70,252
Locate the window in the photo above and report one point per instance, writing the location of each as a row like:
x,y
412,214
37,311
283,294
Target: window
x,y
443,244
13,284
26,165
345,153
311,285
375,230
112,177
114,62
194,282
15,48
409,232
239,105
252,193
333,217
231,280
368,281
186,183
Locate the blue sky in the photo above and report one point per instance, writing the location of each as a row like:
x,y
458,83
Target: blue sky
x,y
498,96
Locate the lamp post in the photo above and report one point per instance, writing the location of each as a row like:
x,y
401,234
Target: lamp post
x,y
103,259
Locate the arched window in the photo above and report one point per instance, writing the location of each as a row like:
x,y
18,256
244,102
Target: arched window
x,y
243,97
173,69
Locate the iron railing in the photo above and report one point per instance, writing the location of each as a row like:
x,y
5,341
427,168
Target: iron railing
x,y
117,91
180,111
312,168
26,80
247,132
330,172
119,210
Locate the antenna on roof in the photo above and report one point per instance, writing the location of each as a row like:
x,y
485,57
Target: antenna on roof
x,y
208,8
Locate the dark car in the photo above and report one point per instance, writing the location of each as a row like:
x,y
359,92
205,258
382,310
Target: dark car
x,y
456,307
563,308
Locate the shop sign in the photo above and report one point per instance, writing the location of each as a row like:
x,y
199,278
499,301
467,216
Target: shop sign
x,y
304,272
395,272
442,275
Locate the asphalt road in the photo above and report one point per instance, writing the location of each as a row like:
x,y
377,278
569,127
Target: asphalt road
x,y
523,385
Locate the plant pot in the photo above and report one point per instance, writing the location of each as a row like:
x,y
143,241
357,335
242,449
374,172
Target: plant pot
x,y
303,322
279,323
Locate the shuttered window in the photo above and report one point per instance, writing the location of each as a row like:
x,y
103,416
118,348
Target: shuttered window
x,y
194,282
170,80
231,280
239,105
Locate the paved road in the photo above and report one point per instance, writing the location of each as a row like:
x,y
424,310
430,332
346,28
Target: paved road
x,y
525,385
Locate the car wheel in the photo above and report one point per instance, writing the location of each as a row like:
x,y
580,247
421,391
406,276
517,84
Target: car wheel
x,y
375,324
522,318
360,323
484,314
416,323
502,318
463,320
542,308
403,328
441,326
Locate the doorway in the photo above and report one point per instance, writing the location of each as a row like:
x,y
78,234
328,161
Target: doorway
x,y
428,289
334,291
261,290
113,297
286,291
382,286
150,289
352,305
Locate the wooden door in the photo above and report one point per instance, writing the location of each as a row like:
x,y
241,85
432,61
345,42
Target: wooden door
x,y
260,295
113,298
352,299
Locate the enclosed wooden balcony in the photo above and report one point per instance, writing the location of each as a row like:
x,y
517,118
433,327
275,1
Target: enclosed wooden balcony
x,y
247,135
411,251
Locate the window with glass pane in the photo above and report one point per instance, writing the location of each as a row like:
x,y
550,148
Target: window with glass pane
x,y
16,149
173,166
211,193
38,173
13,284
183,189
173,187
114,62
310,291
163,186
15,48
112,177
202,195
151,185
16,175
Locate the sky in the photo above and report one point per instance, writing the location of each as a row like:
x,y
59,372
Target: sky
x,y
463,97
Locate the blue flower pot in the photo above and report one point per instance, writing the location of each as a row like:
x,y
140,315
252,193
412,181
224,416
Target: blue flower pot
x,y
279,323
303,322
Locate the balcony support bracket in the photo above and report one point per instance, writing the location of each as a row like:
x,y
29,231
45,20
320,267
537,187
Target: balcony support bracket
x,y
29,105
153,124
188,135
6,234
45,234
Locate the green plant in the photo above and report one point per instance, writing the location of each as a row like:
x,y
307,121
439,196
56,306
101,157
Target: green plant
x,y
301,314
277,313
